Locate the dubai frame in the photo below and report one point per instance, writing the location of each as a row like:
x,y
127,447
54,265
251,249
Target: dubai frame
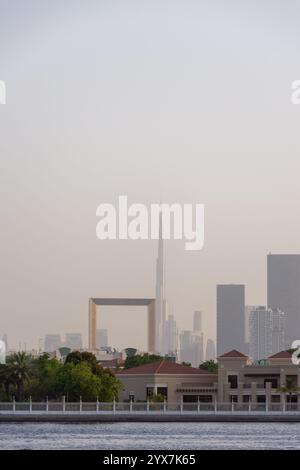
x,y
150,303
156,307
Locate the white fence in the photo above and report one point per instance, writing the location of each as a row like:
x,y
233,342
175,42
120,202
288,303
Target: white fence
x,y
30,407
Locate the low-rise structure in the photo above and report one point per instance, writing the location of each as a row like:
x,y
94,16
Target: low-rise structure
x,y
275,380
240,380
175,382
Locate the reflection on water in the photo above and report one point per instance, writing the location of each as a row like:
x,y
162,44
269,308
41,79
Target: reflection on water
x,y
150,436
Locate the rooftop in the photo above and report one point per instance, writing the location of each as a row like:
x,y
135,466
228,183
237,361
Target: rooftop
x,y
281,355
164,367
234,353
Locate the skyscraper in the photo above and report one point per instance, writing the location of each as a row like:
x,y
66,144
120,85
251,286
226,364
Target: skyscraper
x,y
266,332
210,350
284,291
74,341
171,334
186,341
278,330
197,321
101,338
160,304
52,343
230,318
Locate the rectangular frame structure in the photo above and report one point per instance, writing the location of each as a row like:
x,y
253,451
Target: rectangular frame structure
x,y
150,303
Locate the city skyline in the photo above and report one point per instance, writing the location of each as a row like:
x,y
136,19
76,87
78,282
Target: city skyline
x,y
122,111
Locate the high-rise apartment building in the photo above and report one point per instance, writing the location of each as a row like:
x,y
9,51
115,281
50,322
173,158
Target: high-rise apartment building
x,y
230,318
266,332
73,341
284,291
52,343
101,338
197,321
210,350
171,335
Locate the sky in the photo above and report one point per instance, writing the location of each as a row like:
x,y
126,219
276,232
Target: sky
x,y
185,101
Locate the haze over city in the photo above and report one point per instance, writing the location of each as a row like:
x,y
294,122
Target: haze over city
x,y
188,104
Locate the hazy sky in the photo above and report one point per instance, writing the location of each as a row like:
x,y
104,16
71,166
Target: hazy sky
x,y
185,99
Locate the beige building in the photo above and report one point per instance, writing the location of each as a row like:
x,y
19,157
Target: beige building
x,y
241,381
175,382
238,380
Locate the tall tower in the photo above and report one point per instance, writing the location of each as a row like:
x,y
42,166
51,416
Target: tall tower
x,y
284,291
160,304
230,318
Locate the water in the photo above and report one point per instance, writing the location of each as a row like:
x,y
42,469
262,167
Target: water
x,y
149,436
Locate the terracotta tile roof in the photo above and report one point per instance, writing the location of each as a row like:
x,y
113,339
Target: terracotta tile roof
x,y
163,367
234,353
281,355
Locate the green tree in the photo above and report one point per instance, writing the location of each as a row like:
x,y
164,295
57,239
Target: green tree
x,y
108,385
210,366
43,381
6,380
77,357
141,359
290,390
184,363
19,365
77,380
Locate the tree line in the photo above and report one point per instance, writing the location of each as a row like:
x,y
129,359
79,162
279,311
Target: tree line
x,y
43,377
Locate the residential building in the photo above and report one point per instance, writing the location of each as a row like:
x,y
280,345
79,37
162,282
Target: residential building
x,y
230,317
284,291
174,381
210,350
73,341
101,338
52,343
240,380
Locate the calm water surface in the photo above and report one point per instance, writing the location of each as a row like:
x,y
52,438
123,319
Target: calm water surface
x,y
150,436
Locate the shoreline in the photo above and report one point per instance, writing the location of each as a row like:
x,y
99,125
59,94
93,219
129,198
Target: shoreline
x,y
121,418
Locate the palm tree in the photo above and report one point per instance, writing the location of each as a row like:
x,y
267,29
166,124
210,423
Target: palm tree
x,y
290,390
19,365
6,379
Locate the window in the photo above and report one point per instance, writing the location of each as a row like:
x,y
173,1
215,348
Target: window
x,y
163,391
291,381
149,392
196,398
261,398
246,398
274,382
233,381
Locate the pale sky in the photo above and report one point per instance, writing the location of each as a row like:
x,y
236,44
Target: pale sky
x,y
184,100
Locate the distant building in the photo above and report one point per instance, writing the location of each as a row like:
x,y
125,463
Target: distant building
x,y
284,291
52,343
5,340
191,347
186,341
210,351
197,321
197,348
101,339
230,318
248,310
278,331
266,332
74,341
171,335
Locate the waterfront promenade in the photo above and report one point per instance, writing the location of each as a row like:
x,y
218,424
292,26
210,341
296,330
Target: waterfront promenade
x,y
147,412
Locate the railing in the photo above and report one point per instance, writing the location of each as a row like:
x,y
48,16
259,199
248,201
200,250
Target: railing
x,y
41,408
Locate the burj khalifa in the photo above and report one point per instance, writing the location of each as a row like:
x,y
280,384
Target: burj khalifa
x,y
160,304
